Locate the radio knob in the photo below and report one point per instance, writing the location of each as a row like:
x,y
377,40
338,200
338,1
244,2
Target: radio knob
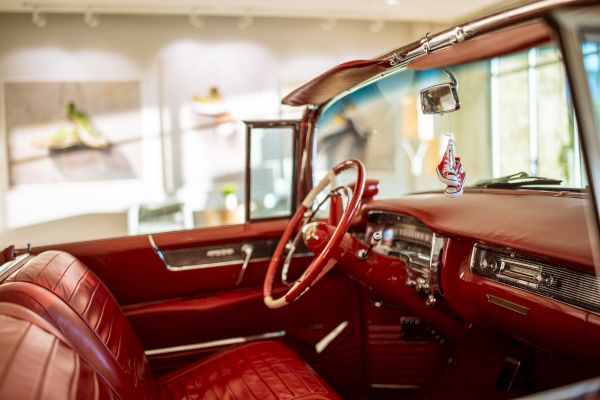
x,y
550,281
494,266
546,280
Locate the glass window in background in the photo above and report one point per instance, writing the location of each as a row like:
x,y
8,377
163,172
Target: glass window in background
x,y
271,171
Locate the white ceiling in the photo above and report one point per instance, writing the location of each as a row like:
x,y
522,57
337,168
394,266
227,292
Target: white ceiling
x,y
440,11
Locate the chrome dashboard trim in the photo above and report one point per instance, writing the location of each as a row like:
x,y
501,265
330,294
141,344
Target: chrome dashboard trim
x,y
509,305
214,343
564,285
407,238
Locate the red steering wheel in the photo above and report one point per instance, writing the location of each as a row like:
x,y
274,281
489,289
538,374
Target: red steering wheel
x,y
321,264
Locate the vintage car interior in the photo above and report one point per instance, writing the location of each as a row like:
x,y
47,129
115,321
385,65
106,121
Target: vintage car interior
x,y
493,294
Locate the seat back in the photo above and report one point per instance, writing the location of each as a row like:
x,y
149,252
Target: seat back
x,y
36,362
66,293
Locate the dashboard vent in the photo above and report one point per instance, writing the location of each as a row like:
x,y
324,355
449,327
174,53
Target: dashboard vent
x,y
569,286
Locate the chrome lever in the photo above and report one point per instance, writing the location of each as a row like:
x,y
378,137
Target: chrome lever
x,y
247,250
375,238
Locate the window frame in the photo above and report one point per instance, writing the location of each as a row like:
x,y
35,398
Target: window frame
x,y
569,29
271,124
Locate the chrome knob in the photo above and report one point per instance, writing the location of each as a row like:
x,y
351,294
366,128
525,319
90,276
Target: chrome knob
x,y
410,282
430,301
494,266
550,281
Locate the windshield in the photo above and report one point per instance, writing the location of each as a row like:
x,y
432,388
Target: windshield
x,y
515,116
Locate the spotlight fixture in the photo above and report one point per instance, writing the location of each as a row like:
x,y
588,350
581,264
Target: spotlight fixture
x,y
196,20
92,20
38,18
329,24
377,26
245,21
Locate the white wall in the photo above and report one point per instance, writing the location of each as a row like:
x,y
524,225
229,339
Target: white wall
x,y
173,61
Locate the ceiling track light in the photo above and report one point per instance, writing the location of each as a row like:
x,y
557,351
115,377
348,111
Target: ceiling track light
x,y
377,26
196,20
245,21
91,19
38,18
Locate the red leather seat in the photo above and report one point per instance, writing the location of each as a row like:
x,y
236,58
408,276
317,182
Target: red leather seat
x,y
36,362
63,291
261,371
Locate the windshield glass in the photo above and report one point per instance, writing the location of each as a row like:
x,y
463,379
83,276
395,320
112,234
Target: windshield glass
x,y
515,116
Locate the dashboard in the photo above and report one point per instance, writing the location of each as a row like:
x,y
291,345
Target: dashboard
x,y
530,278
406,238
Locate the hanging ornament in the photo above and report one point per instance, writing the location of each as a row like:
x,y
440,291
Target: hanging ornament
x,y
450,170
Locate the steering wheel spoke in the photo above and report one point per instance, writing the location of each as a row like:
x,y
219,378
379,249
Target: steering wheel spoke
x,y
300,226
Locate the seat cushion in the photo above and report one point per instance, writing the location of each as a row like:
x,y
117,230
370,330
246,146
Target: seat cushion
x,y
263,370
37,363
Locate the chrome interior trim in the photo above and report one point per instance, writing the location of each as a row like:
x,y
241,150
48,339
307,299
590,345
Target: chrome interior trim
x,y
330,337
9,264
392,386
562,284
509,305
215,256
214,343
247,249
158,252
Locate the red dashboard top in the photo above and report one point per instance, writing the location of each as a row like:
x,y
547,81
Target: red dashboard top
x,y
553,225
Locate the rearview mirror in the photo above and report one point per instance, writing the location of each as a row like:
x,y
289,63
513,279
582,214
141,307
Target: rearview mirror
x,y
442,98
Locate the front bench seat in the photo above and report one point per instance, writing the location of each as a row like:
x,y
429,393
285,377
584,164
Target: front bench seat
x,y
37,363
65,292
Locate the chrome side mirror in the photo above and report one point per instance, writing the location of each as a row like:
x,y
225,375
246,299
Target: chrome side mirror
x,y
442,98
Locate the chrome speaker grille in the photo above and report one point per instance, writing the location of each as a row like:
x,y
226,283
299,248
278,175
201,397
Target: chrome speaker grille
x,y
569,286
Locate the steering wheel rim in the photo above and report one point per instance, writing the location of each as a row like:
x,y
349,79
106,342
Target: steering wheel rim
x,y
323,262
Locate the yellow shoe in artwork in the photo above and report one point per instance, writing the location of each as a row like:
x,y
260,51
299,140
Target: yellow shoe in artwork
x,y
87,134
63,139
211,105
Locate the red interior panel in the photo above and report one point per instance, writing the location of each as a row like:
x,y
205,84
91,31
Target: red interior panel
x,y
548,324
135,274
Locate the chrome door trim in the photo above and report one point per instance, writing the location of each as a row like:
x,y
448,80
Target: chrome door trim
x,y
247,249
214,343
330,337
204,257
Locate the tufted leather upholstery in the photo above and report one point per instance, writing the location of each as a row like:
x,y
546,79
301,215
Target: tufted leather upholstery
x,y
64,292
88,316
35,350
257,371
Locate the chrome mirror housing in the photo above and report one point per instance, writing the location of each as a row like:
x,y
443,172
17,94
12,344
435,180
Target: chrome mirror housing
x,y
442,98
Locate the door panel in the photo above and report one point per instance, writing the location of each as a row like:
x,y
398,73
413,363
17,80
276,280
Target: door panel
x,y
242,313
135,274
